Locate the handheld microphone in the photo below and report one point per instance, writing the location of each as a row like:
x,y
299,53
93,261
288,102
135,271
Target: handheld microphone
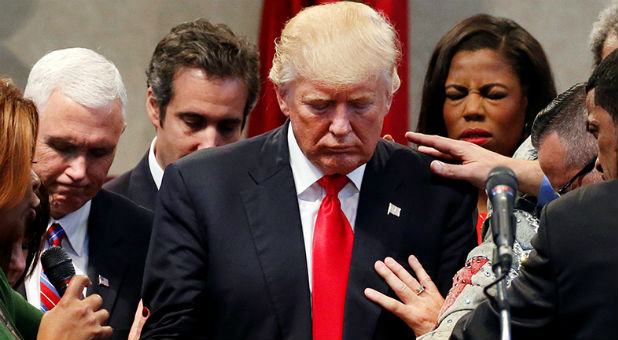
x,y
501,187
58,267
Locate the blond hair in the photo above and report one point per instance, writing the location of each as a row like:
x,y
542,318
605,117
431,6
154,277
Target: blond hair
x,y
18,129
337,43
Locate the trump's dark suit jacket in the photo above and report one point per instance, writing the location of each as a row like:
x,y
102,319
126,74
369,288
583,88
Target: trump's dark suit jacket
x,y
227,257
568,288
136,184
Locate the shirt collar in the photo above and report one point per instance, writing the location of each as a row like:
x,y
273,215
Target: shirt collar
x,y
305,173
155,168
75,226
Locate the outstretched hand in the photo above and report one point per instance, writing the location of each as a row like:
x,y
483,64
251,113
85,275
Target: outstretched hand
x,y
75,317
473,163
418,310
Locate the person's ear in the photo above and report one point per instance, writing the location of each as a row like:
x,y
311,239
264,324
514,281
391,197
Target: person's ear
x,y
389,102
281,99
152,108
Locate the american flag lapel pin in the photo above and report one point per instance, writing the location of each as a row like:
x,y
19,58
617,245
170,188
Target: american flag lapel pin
x,y
393,210
103,281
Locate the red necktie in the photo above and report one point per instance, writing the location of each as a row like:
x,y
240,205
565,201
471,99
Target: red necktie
x,y
332,250
49,294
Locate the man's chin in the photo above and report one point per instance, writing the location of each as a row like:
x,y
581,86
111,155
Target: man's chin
x,y
59,209
342,165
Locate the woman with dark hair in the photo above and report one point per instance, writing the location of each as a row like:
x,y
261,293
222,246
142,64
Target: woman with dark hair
x,y
486,81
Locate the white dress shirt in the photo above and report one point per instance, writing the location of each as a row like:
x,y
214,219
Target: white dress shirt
x,y
310,195
75,243
155,168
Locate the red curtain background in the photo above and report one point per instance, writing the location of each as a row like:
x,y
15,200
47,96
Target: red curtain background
x,y
266,114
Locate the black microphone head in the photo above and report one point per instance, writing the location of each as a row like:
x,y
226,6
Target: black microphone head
x,y
501,175
58,267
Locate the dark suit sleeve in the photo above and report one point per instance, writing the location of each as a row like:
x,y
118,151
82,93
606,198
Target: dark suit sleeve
x,y
532,297
459,238
176,264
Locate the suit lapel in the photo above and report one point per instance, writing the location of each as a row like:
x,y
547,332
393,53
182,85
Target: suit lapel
x,y
375,236
274,221
103,264
142,188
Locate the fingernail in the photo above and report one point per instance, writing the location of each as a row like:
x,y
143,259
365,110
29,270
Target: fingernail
x,y
389,260
437,165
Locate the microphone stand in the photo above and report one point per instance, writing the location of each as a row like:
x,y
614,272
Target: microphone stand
x,y
501,187
502,300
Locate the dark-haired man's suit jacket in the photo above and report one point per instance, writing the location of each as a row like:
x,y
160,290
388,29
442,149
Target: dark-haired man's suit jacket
x,y
136,184
227,257
568,288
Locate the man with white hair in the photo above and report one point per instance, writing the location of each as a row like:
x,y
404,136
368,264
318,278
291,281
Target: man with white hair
x,y
276,236
80,97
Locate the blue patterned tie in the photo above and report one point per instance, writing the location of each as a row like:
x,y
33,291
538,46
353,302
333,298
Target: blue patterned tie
x,y
49,294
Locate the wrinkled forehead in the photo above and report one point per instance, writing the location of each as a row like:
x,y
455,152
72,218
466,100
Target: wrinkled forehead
x,y
64,107
68,120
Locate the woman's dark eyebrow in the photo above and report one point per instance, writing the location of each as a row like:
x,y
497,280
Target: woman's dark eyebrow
x,y
493,85
456,86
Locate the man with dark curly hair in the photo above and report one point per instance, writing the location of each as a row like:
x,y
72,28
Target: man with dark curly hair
x,y
202,83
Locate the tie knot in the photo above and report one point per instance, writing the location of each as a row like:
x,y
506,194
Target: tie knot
x,y
55,234
333,183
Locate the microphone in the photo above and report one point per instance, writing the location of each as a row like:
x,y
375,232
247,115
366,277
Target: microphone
x,y
501,187
58,267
